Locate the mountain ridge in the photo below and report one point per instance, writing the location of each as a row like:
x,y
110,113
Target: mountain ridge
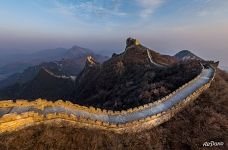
x,y
72,63
118,81
126,80
18,63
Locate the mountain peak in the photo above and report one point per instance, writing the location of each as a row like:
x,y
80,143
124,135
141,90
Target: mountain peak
x,y
76,52
185,51
186,55
132,42
138,53
76,47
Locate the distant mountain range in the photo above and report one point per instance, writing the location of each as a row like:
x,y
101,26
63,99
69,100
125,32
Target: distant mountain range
x,y
60,61
16,63
129,79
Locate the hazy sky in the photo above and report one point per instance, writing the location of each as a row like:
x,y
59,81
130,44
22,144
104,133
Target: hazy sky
x,y
103,25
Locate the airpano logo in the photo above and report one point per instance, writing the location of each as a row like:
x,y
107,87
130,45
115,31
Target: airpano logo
x,y
212,143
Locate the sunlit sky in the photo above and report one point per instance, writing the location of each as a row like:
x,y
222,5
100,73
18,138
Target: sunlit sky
x,y
103,25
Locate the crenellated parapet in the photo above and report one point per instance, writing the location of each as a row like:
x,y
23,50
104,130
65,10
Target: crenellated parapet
x,y
91,117
41,103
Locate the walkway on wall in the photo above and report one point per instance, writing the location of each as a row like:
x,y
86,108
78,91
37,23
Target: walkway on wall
x,y
151,59
204,78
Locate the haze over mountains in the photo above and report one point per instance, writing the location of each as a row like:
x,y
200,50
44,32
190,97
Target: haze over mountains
x,y
15,63
61,61
19,62
38,59
132,78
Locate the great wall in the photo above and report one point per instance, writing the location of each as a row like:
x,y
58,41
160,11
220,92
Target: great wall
x,y
22,113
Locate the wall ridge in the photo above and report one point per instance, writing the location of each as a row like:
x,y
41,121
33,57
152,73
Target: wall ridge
x,y
40,103
15,121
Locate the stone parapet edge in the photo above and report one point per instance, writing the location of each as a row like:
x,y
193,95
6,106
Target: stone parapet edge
x,y
41,103
12,122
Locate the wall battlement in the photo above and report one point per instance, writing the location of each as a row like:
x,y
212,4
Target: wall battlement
x,y
13,121
41,103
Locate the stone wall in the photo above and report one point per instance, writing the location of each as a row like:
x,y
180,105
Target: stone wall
x,y
12,122
41,103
